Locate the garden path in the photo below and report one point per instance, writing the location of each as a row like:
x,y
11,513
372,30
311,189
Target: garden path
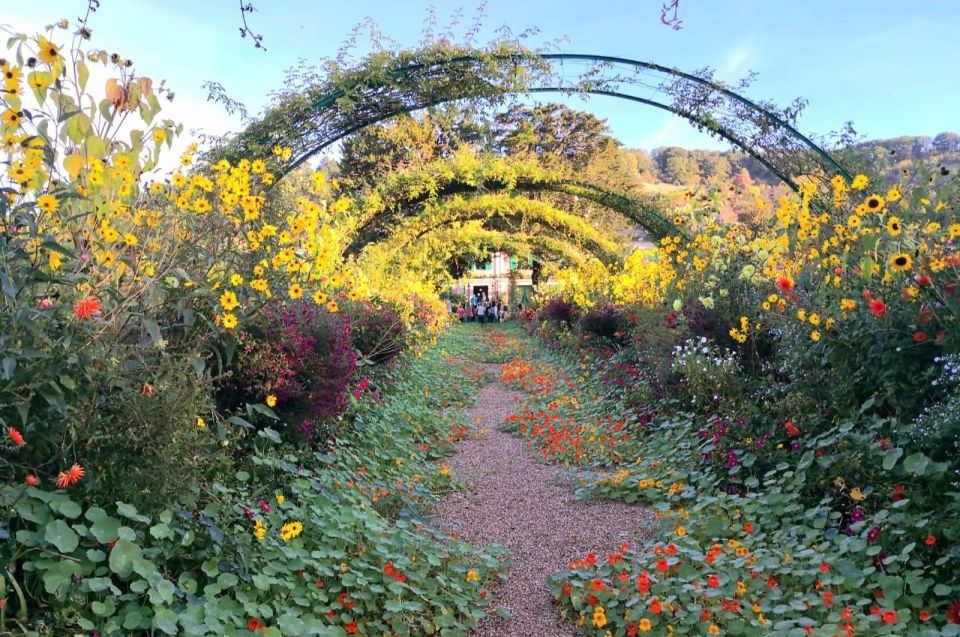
x,y
512,500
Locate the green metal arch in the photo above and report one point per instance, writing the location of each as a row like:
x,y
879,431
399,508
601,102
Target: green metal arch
x,y
772,140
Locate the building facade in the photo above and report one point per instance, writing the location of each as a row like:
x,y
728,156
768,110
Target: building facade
x,y
503,278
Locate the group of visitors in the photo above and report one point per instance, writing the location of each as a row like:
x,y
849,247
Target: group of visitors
x,y
479,309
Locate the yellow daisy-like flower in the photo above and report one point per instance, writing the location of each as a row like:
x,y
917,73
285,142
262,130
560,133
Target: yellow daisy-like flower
x,y
319,297
130,240
48,203
900,262
894,194
229,321
815,336
472,576
228,300
271,401
236,279
332,306
853,222
860,182
290,530
201,423
49,52
159,135
258,167
893,226
281,499
874,203
954,230
295,291
259,529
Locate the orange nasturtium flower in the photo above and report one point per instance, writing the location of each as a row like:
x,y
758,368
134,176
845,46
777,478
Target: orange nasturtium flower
x,y
70,477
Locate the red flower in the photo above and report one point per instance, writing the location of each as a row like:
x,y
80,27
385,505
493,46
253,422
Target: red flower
x,y
824,567
920,336
319,583
671,549
846,614
784,284
591,559
828,599
85,308
655,606
792,429
32,480
346,603
924,615
889,617
662,565
878,308
898,492
70,477
566,589
931,540
351,628
713,581
747,527
953,612
16,437
597,585
922,279
388,569
147,390
401,578
253,624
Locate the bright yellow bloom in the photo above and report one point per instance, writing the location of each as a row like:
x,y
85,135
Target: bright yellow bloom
x,y
860,182
271,401
900,262
228,300
229,321
201,423
815,336
290,530
295,291
472,576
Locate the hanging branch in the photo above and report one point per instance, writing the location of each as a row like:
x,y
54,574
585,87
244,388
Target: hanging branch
x,y
672,21
245,30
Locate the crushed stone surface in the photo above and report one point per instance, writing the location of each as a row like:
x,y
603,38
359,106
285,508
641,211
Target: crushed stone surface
x,y
528,506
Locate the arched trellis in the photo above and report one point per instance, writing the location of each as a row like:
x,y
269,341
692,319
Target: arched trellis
x,y
392,201
515,213
309,122
440,242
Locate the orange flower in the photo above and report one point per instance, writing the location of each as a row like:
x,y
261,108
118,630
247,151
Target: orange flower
x,y
655,606
16,436
32,480
70,477
85,308
597,585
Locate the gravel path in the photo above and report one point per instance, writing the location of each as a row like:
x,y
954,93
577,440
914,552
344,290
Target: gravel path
x,y
512,500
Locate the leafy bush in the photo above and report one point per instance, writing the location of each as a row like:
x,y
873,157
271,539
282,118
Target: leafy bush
x,y
603,321
557,312
378,332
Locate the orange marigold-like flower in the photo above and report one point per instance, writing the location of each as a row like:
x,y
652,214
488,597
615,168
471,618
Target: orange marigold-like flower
x,y
16,436
85,308
70,477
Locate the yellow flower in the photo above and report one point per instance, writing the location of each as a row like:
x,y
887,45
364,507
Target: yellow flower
x,y
472,576
680,531
281,499
159,135
228,300
271,401
857,495
259,529
130,240
874,203
894,194
954,230
201,423
236,279
332,306
319,297
229,321
900,262
931,227
815,336
290,530
714,629
814,319
48,203
49,52
853,222
644,625
444,469
55,260
258,167
295,291
860,182
893,226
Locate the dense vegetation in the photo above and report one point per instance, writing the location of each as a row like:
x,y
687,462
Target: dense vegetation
x,y
224,394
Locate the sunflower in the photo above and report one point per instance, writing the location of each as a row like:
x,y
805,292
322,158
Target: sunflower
x,y
900,262
893,226
874,203
49,52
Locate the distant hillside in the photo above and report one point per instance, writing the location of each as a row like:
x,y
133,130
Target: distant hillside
x,y
683,167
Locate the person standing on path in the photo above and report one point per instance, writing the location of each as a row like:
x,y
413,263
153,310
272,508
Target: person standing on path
x,y
473,302
481,313
468,313
492,312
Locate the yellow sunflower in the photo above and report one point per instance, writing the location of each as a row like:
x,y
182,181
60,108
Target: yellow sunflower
x,y
900,262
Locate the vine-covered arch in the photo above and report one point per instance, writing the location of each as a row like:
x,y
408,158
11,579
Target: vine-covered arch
x,y
385,85
404,192
518,214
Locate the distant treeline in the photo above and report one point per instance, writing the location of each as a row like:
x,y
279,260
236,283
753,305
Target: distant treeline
x,y
674,165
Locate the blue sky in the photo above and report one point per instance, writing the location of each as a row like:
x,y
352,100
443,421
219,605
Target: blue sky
x,y
887,65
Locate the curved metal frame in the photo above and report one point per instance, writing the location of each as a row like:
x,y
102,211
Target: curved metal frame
x,y
767,120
